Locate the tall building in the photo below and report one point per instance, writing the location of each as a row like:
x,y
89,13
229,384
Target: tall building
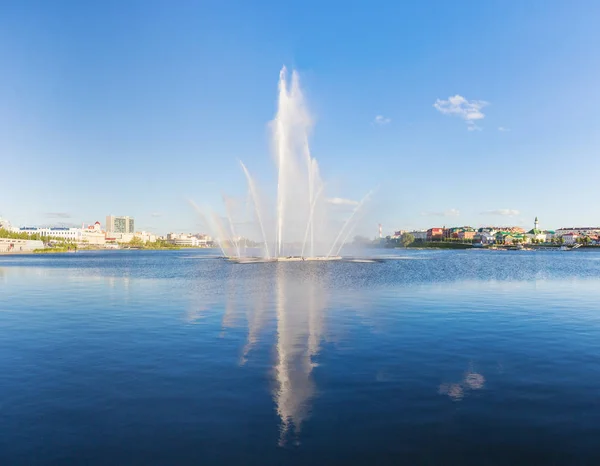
x,y
120,224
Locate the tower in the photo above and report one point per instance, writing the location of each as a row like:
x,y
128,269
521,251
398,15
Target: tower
x,y
380,231
536,224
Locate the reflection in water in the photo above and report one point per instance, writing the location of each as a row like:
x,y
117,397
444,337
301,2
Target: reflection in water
x,y
256,316
456,391
298,295
300,304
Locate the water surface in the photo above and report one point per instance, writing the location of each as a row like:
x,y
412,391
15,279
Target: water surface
x,y
177,357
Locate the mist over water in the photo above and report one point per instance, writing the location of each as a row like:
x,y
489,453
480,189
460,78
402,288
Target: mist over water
x,y
302,220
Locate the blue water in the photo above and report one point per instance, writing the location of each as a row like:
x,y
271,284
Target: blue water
x,y
430,357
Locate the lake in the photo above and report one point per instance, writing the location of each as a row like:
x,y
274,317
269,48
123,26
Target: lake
x,y
178,357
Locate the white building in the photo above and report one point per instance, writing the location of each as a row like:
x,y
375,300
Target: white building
x,y
188,240
536,234
145,236
419,235
69,234
112,237
19,245
204,240
182,239
570,238
486,237
93,234
120,224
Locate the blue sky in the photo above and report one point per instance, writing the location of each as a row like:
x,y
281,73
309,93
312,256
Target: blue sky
x,y
131,108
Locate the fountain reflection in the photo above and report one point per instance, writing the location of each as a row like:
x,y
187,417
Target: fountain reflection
x,y
300,305
298,295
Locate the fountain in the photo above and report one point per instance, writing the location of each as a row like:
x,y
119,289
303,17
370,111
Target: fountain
x,y
304,226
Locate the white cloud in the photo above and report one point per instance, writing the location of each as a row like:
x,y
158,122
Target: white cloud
x,y
503,129
468,110
341,201
381,120
502,212
155,214
447,213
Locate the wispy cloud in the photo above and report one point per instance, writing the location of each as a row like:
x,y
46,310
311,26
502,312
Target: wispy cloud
x,y
381,120
156,214
503,129
58,215
468,110
502,212
447,213
341,201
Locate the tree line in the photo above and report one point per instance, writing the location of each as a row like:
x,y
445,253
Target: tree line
x,y
4,233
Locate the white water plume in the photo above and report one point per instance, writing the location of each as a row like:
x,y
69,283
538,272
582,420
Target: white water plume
x,y
304,222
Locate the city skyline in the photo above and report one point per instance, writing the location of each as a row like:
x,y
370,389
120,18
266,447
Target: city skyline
x,y
125,225
473,116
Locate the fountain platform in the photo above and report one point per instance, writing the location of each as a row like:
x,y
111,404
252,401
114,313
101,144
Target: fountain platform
x,y
257,260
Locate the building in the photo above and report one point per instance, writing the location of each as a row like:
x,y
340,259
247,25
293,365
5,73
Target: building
x,y
507,237
189,240
570,238
587,231
485,237
204,240
93,234
20,245
466,235
145,236
120,224
183,239
536,234
419,235
95,227
434,234
113,237
503,237
492,229
68,234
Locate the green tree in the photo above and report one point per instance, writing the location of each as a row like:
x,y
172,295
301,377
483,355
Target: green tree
x,y
136,242
407,239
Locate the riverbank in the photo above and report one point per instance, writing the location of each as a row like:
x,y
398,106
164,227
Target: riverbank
x,y
54,250
438,245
